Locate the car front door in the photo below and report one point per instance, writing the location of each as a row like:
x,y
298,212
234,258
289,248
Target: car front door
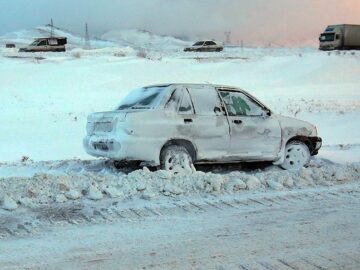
x,y
210,132
41,46
254,135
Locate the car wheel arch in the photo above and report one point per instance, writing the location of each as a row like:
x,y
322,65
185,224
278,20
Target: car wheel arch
x,y
303,139
190,147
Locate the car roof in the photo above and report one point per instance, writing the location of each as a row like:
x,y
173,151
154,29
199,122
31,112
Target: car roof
x,y
218,86
195,85
205,41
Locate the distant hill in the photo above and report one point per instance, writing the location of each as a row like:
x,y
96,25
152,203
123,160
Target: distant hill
x,y
137,39
26,36
140,39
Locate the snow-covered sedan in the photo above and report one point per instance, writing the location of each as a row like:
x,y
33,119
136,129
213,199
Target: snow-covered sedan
x,y
205,46
176,125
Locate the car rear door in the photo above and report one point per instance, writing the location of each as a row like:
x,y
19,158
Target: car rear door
x,y
253,134
210,46
210,127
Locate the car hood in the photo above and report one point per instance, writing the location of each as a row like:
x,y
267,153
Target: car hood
x,y
295,127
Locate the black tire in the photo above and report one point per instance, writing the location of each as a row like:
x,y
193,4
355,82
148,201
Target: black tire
x,y
125,164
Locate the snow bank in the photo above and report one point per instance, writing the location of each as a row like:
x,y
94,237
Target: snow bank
x,y
72,184
110,51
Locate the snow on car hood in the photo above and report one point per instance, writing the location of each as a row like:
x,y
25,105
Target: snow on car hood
x,y
295,127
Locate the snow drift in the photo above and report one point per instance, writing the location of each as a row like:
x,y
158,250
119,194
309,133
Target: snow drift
x,y
58,182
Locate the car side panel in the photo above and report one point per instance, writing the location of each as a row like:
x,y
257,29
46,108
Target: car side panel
x,y
255,138
210,132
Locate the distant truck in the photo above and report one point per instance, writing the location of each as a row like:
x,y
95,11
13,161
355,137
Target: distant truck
x,y
50,44
340,37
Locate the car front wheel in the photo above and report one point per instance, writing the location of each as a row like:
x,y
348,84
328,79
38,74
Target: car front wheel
x,y
297,156
176,159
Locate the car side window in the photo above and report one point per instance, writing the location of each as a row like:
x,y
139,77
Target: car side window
x,y
205,99
186,106
42,43
174,99
238,104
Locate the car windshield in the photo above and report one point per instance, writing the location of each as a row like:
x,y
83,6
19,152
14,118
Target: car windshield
x,y
199,43
327,37
35,43
143,98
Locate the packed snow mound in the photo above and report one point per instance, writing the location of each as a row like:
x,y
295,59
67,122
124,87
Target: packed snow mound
x,y
144,40
74,182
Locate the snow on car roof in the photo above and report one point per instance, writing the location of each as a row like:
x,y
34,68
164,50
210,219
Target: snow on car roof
x,y
195,84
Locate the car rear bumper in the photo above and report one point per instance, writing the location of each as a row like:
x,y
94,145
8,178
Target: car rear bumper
x,y
101,147
126,148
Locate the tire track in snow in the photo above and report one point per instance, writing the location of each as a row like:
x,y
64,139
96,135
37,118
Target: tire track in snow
x,y
45,218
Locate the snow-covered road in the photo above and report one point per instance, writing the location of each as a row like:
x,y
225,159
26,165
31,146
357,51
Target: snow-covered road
x,y
307,229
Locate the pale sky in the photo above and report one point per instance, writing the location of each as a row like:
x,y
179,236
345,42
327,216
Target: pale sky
x,y
248,20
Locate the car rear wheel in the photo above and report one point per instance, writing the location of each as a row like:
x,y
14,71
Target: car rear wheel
x,y
297,156
176,158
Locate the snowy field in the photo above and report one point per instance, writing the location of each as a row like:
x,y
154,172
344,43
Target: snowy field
x,y
48,183
45,102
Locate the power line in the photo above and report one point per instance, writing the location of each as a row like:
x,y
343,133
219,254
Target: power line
x,y
51,28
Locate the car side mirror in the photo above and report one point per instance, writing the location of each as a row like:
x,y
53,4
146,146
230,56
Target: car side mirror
x,y
266,113
217,110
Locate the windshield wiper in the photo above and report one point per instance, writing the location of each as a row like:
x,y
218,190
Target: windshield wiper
x,y
139,107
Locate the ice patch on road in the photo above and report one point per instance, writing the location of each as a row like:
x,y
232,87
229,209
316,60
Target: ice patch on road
x,y
88,183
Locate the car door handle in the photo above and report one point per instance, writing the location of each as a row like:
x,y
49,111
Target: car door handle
x,y
237,121
188,121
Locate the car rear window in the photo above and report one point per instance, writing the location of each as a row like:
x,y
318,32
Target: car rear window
x,y
143,98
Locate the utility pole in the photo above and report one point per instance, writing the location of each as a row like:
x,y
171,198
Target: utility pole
x,y
228,37
87,37
51,28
